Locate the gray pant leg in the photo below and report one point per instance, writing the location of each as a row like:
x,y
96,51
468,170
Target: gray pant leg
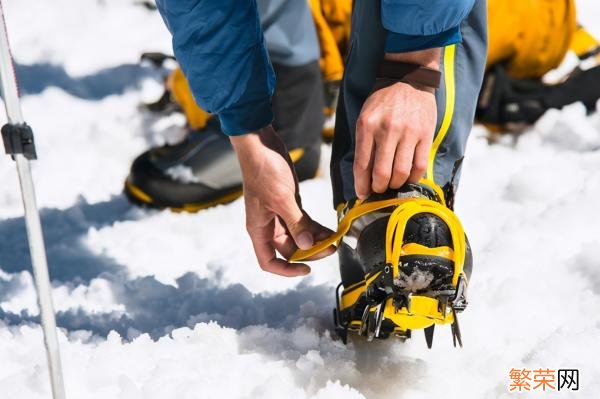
x,y
366,51
289,31
298,99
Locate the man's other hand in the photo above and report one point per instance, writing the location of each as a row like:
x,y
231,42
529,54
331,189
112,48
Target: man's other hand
x,y
394,132
275,219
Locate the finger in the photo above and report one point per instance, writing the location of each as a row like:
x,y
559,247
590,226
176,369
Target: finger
x,y
268,261
403,160
297,222
383,164
286,246
287,269
363,160
318,231
420,161
321,233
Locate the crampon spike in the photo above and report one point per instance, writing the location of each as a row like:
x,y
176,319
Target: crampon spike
x,y
456,337
341,330
364,321
378,319
372,323
429,335
341,327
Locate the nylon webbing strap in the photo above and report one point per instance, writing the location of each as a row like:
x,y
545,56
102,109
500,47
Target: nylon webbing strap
x,y
408,73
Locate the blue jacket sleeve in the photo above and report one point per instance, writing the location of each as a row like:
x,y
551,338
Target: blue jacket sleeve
x,y
420,24
220,47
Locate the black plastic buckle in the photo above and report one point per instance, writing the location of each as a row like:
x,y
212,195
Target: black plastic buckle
x,y
18,139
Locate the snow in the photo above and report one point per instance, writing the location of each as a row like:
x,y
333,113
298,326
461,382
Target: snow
x,y
162,305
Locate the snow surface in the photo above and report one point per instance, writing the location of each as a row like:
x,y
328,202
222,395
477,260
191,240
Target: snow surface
x,y
162,305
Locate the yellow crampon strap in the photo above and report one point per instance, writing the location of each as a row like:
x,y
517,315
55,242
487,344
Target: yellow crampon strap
x,y
362,208
359,209
394,239
421,311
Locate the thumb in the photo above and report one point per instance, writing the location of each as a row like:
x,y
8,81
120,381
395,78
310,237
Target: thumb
x,y
298,223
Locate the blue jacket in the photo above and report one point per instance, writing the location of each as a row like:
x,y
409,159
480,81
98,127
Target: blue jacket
x,y
220,47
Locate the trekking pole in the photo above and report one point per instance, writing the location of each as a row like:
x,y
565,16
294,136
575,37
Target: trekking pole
x,y
18,142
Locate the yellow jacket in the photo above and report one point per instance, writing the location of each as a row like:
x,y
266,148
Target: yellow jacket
x,y
530,36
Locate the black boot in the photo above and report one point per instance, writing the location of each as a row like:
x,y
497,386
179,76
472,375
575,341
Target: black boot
x,y
513,104
203,170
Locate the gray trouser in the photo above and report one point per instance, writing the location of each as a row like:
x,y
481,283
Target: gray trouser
x,y
463,66
289,31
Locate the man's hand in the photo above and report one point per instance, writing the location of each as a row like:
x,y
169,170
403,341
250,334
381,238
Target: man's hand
x,y
394,132
275,219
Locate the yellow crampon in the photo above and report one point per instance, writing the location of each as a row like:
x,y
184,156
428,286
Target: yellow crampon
x,y
403,311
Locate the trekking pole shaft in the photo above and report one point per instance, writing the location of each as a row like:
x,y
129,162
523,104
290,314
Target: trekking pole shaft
x,y
7,73
42,279
32,218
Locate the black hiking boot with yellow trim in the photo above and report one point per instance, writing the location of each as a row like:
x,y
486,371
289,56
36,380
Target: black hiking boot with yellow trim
x,y
200,172
405,264
203,170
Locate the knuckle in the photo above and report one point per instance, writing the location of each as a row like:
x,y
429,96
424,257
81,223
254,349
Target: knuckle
x,y
386,124
400,172
361,124
367,123
381,173
400,177
425,145
395,184
361,164
392,124
420,166
294,226
379,188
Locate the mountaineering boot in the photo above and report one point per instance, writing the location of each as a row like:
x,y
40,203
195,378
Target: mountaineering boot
x,y
200,172
405,264
513,104
203,169
517,89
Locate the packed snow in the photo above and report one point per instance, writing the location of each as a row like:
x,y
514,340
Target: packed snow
x,y
163,305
